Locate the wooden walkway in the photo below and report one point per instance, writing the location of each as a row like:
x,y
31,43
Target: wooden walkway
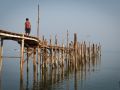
x,y
51,55
29,41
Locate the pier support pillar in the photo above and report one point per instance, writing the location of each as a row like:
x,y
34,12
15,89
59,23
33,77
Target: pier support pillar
x,y
1,51
22,53
21,62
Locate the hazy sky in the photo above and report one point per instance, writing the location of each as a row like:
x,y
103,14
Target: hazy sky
x,y
93,20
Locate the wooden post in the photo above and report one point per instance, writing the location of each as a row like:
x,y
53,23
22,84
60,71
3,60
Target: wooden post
x,y
89,51
51,57
93,50
58,57
1,51
84,51
75,49
56,41
67,51
22,53
34,65
50,40
21,62
45,57
62,51
62,54
38,61
99,49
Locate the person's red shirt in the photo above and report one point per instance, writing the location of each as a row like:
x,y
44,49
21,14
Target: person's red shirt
x,y
27,25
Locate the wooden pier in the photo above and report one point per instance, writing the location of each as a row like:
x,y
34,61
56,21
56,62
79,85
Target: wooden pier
x,y
49,55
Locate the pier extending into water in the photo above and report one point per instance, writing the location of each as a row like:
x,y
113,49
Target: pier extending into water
x,y
48,55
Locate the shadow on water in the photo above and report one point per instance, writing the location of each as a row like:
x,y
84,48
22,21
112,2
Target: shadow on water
x,y
49,79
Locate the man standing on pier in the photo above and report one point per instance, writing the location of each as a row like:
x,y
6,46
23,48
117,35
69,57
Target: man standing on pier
x,y
27,27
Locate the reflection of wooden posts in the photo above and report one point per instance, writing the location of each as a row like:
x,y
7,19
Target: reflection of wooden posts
x,y
68,77
1,51
21,79
0,80
27,61
75,80
22,53
27,82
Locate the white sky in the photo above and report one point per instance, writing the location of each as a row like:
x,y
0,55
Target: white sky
x,y
93,20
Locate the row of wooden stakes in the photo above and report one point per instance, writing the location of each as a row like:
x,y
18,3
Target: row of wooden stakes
x,y
74,54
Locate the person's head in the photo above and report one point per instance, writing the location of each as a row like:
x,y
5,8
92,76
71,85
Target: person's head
x,y
27,19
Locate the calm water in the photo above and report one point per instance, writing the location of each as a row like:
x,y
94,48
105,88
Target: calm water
x,y
103,74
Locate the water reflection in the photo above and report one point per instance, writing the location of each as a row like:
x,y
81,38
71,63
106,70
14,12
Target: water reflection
x,y
119,84
48,79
